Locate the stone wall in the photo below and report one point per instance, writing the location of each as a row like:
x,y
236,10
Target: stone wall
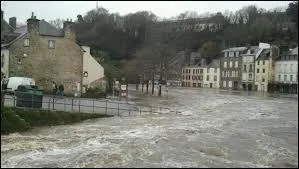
x,y
63,64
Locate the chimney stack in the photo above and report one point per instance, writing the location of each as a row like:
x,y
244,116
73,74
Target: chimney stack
x,y
33,24
13,22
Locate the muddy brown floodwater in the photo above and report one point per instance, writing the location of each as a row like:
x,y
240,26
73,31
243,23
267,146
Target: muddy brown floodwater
x,y
214,128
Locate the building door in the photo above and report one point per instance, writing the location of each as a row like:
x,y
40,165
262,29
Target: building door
x,y
211,85
244,86
235,85
249,87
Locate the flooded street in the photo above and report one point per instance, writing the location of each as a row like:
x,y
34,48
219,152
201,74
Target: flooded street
x,y
213,129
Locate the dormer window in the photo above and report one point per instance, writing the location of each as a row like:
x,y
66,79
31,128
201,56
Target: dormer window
x,y
51,44
26,42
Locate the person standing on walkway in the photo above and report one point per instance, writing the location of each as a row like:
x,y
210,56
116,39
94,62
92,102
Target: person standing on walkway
x,y
61,89
54,88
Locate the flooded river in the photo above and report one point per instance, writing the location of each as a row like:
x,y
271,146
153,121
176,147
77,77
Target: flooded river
x,y
213,129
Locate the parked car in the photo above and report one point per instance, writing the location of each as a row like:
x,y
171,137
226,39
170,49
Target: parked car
x,y
11,84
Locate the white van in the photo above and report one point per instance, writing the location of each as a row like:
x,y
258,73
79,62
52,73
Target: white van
x,y
12,83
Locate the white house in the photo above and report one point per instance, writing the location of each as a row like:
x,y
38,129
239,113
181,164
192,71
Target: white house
x,y
287,68
211,75
93,72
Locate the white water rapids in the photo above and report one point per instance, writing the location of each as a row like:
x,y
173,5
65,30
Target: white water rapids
x,y
213,129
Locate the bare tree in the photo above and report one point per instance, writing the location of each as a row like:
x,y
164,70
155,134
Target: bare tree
x,y
57,23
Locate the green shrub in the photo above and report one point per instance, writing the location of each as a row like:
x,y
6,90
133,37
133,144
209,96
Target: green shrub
x,y
11,122
21,119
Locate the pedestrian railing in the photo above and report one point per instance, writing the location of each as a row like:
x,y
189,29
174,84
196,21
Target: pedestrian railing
x,y
86,105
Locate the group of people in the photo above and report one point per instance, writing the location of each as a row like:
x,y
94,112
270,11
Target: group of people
x,y
57,90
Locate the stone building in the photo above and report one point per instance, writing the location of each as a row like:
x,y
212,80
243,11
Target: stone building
x,y
202,76
265,67
286,72
45,53
211,77
248,67
192,76
231,66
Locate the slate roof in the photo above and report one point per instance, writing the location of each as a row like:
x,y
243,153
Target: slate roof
x,y
294,51
45,29
235,49
265,54
48,30
214,64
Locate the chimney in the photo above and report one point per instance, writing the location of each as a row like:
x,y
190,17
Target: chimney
x,y
13,22
69,33
32,24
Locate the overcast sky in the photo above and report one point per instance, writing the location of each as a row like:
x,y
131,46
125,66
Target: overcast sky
x,y
50,10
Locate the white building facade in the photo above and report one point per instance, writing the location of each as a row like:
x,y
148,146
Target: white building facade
x,y
93,72
287,68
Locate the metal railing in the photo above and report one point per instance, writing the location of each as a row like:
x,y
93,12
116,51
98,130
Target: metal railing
x,y
85,105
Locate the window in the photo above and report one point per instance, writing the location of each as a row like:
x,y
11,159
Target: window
x,y
51,44
226,74
230,84
237,54
291,78
26,42
257,70
250,76
224,83
236,64
244,68
183,77
291,68
258,63
263,70
230,73
231,54
183,70
237,73
263,62
250,68
222,73
230,64
215,78
263,80
225,64
279,77
208,70
285,67
2,60
201,70
233,73
215,70
207,77
193,71
285,78
225,54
